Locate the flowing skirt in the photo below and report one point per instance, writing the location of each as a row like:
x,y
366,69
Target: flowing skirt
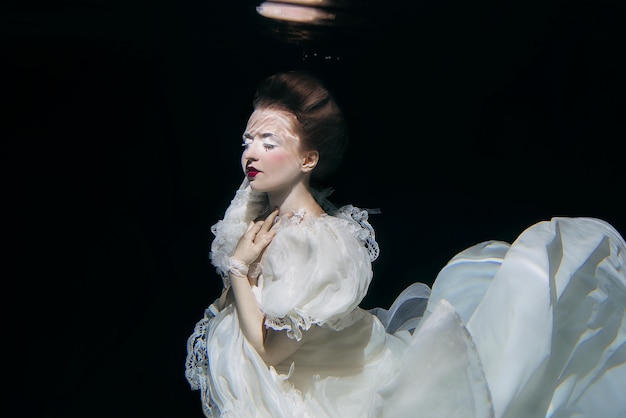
x,y
535,328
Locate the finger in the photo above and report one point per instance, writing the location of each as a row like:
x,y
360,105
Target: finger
x,y
273,215
265,238
253,230
269,221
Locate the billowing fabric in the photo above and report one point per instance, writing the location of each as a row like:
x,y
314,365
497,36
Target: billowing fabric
x,y
535,328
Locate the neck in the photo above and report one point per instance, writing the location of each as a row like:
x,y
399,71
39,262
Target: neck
x,y
297,198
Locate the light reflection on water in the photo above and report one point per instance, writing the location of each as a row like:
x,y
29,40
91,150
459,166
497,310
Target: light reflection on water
x,y
335,23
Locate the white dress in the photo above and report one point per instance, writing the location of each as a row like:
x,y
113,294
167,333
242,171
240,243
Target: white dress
x,y
535,328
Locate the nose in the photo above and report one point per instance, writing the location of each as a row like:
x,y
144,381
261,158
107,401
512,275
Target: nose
x,y
250,152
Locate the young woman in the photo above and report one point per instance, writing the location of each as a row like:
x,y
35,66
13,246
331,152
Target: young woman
x,y
529,329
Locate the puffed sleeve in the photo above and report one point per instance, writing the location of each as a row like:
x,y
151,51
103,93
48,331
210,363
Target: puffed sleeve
x,y
316,273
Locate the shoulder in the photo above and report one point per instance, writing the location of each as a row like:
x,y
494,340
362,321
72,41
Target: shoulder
x,y
317,269
345,229
356,221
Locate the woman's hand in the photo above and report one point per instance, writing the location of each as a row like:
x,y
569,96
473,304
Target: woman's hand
x,y
256,238
250,246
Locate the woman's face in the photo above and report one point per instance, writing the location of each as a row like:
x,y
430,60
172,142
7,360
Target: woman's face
x,y
272,158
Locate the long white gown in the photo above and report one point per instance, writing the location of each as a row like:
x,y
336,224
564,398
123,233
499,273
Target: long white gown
x,y
535,328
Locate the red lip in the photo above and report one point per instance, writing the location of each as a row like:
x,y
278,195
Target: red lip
x,y
252,172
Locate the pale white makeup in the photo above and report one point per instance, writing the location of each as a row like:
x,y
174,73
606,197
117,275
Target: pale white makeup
x,y
272,158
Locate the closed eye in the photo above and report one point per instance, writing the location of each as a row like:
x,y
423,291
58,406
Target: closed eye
x,y
247,140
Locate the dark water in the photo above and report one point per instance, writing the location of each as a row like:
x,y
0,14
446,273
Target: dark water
x,y
121,132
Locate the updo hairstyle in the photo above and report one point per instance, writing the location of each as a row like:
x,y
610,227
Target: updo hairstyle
x,y
322,125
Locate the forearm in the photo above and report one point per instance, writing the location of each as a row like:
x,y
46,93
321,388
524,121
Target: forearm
x,y
272,346
251,319
225,298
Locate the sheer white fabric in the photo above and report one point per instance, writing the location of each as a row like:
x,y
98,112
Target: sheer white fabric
x,y
315,272
535,328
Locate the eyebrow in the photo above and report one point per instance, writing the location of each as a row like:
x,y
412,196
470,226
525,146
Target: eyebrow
x,y
270,135
264,135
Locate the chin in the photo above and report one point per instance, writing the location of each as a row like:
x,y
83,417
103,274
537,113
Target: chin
x,y
254,185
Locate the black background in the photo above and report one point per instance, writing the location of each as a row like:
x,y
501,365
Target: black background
x,y
120,148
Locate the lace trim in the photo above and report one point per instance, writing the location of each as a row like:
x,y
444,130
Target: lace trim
x,y
299,321
360,216
197,362
248,204
364,231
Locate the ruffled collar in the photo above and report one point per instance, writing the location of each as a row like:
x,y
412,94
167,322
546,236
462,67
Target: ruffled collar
x,y
247,205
